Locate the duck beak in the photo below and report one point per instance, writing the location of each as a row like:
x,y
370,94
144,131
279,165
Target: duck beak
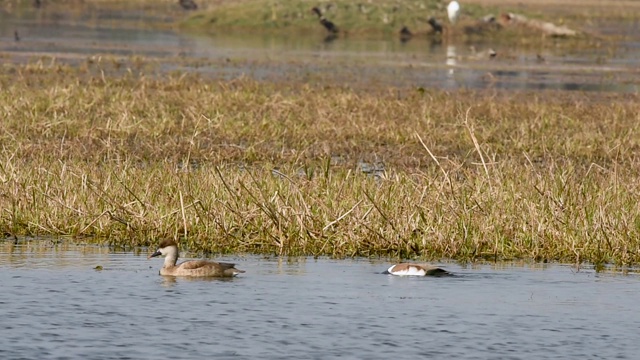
x,y
157,253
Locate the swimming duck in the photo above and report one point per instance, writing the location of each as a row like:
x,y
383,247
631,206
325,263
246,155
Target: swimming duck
x,y
408,269
200,268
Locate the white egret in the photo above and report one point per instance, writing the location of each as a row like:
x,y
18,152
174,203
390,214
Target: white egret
x,y
453,10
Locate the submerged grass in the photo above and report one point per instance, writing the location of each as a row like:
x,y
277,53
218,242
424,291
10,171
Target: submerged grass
x,y
237,166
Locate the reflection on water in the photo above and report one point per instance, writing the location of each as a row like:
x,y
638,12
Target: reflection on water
x,y
416,63
451,58
55,305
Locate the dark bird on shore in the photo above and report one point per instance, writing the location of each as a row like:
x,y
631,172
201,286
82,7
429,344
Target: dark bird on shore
x,y
405,34
188,5
16,36
37,4
435,25
331,27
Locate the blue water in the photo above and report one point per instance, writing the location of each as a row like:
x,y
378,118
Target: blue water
x,y
55,305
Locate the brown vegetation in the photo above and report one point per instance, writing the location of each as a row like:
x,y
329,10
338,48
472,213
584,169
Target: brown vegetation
x,y
322,170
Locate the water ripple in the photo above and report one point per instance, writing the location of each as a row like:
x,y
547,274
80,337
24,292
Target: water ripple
x,y
54,305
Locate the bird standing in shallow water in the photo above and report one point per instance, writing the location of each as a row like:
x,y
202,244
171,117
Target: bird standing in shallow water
x,y
16,36
453,10
405,34
435,25
331,27
194,268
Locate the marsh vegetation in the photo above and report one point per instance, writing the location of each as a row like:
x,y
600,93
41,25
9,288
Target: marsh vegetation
x,y
323,169
397,19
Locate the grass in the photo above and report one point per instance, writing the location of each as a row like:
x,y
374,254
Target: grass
x,y
381,19
295,15
240,166
373,19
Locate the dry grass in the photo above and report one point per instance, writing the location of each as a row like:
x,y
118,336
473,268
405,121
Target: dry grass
x,y
273,168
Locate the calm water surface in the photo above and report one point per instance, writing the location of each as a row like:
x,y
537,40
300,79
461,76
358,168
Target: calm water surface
x,y
55,305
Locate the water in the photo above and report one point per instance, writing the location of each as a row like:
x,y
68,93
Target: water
x,y
420,62
55,305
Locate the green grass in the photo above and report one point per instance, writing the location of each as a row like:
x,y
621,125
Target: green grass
x,y
379,18
242,166
383,20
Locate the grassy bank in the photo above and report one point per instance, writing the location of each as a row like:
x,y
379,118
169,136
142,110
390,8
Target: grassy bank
x,y
370,19
270,168
384,19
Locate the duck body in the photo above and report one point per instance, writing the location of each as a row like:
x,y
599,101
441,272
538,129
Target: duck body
x,y
408,269
194,268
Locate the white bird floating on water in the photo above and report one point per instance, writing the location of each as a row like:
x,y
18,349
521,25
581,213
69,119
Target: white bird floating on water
x,y
408,269
453,10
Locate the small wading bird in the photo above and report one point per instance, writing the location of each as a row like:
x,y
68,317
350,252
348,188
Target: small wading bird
x,y
193,268
405,34
453,10
407,269
16,36
188,5
331,27
435,25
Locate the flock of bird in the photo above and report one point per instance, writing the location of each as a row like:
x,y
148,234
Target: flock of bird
x,y
453,12
204,268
